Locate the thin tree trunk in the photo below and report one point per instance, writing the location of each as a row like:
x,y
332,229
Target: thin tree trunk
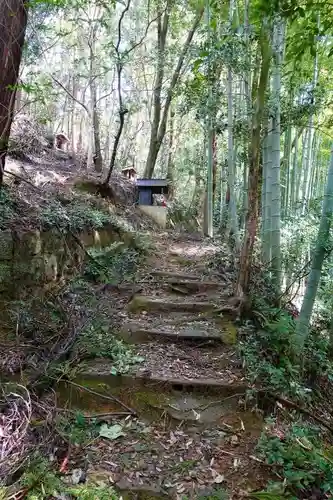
x,y
315,178
122,112
303,322
267,195
160,119
210,124
294,174
286,169
308,165
231,166
96,148
276,154
248,106
301,170
162,31
170,164
254,169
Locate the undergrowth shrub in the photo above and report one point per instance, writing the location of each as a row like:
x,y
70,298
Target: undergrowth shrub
x,y
268,355
181,215
78,431
77,216
112,264
218,494
41,481
270,361
298,455
97,341
8,207
93,492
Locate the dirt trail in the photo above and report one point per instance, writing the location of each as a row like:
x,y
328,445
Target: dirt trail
x,y
193,435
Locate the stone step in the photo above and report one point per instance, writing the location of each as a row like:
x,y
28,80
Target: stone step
x,y
175,275
193,286
102,369
199,385
133,333
145,303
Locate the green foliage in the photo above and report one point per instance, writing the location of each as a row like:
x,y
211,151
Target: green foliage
x,y
180,214
265,495
76,216
112,264
78,431
92,492
268,354
40,479
8,207
299,458
297,234
42,482
98,341
219,494
39,317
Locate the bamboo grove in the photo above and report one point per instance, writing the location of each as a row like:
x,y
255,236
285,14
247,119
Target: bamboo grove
x,y
230,101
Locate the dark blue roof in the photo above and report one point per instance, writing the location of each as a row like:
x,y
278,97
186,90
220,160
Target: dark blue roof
x,y
151,182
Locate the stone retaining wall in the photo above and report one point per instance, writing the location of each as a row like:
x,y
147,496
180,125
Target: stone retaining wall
x,y
36,258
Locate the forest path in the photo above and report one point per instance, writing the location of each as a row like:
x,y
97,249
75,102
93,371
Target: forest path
x,y
194,435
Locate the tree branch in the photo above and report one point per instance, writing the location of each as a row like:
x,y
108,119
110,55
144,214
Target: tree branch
x,y
127,6
70,94
146,30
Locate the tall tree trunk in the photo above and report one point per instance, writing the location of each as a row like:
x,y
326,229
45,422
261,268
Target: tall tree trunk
x,y
267,195
13,15
301,170
248,107
303,322
160,119
233,221
170,164
122,112
309,150
162,31
73,119
96,147
197,192
209,138
254,168
286,171
294,174
214,150
18,98
276,157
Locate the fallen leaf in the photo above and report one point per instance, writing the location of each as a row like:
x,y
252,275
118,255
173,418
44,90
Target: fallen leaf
x,y
111,431
234,439
219,479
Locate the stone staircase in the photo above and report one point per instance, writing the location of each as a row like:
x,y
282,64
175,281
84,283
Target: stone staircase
x,y
190,387
175,324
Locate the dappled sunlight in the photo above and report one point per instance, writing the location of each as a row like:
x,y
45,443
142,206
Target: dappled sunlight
x,y
193,250
166,264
